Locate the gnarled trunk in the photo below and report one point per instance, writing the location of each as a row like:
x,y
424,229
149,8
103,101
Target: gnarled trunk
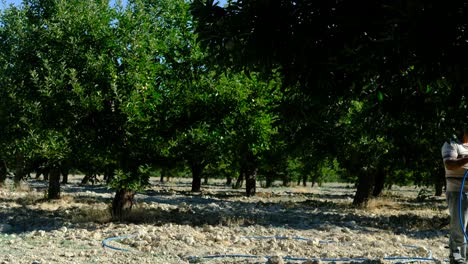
x,y
364,188
164,172
250,182
286,180
439,180
439,189
380,176
44,171
65,172
109,174
315,179
249,169
54,184
122,203
205,178
3,173
19,169
270,178
89,177
197,169
228,180
240,180
304,179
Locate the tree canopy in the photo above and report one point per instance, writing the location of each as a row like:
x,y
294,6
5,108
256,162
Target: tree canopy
x,y
397,64
278,89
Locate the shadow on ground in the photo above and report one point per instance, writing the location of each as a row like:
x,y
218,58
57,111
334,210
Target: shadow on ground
x,y
229,207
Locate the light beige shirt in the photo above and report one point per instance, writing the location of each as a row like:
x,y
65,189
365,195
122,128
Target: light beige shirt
x,y
454,150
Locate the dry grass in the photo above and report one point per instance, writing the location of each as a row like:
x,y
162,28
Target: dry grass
x,y
140,214
392,205
302,189
30,198
264,194
23,188
102,214
92,214
382,204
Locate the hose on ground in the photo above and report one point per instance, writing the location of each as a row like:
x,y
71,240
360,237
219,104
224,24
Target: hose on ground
x,y
399,259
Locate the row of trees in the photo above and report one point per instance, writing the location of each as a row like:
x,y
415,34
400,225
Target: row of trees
x,y
119,90
255,87
383,83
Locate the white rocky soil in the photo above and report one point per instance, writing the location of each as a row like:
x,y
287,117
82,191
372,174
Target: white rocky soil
x,y
171,225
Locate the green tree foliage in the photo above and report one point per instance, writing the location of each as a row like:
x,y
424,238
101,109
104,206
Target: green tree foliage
x,y
402,60
114,89
284,88
251,124
88,67
17,60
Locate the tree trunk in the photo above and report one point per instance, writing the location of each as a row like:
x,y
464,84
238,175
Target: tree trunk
x,y
45,173
249,168
304,180
85,179
250,182
315,177
269,182
54,184
197,170
19,169
42,171
65,178
163,173
122,204
89,177
439,189
228,180
109,174
3,173
240,180
65,172
364,188
439,180
380,177
286,180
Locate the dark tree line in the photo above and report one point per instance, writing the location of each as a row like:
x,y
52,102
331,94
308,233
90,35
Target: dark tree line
x,y
395,68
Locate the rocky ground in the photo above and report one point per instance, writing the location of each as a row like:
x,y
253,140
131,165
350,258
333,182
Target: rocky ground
x,y
219,225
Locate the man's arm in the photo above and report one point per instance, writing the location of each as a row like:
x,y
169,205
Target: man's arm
x,y
453,164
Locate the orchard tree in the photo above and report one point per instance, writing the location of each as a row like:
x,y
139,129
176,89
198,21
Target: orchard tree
x,y
74,80
251,124
19,39
201,115
175,111
87,68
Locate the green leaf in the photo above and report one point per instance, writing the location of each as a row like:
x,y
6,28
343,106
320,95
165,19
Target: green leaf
x,y
380,96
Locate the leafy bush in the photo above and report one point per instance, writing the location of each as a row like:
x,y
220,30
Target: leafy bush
x,y
134,181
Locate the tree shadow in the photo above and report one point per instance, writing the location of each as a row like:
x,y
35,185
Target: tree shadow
x,y
21,219
305,215
231,208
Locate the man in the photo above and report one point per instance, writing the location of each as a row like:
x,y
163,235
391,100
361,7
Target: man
x,y
455,156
